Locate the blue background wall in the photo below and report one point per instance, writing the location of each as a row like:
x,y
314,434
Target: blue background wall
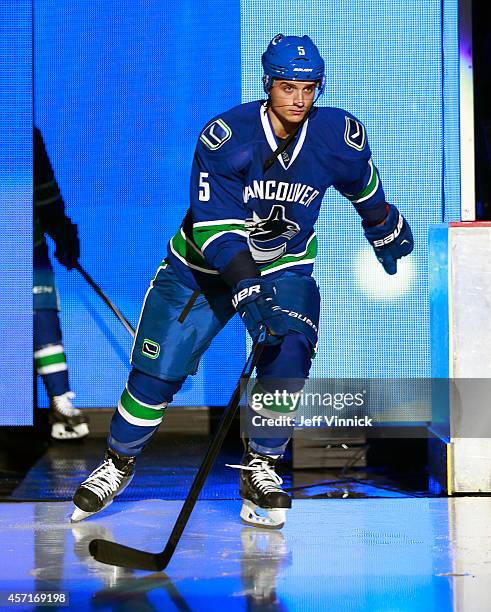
x,y
121,92
383,64
16,213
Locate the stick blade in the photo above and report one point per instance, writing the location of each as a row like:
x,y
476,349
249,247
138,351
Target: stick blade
x,y
113,553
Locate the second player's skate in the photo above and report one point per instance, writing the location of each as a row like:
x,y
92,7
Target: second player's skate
x,y
106,482
67,422
264,501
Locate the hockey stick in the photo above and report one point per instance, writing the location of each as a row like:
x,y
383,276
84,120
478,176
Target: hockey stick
x,y
129,328
124,556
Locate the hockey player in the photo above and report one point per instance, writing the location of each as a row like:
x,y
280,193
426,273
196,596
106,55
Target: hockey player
x,y
247,244
67,422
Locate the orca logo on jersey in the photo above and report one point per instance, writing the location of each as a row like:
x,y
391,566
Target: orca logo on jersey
x,y
268,237
215,134
354,134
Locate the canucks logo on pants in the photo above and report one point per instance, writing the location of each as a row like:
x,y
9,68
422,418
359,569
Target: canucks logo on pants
x,y
175,348
150,348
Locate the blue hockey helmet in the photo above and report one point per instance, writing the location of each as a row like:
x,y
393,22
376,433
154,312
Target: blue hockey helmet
x,y
292,58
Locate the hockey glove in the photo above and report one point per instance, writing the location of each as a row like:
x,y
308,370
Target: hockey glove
x,y
255,300
391,240
67,244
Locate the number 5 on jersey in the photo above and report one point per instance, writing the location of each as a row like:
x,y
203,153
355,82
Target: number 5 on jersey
x,y
204,187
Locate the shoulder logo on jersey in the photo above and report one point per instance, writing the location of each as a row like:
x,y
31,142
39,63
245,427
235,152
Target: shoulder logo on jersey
x,y
268,237
215,134
354,134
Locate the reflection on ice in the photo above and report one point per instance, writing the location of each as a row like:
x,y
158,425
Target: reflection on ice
x,y
265,554
366,554
83,533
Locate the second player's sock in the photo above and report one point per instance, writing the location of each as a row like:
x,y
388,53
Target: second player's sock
x,y
49,354
50,362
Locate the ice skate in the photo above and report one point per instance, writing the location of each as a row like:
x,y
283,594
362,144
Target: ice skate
x,y
106,482
67,422
264,501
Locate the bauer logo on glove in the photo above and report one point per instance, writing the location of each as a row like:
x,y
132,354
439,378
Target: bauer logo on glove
x,y
391,237
255,300
391,240
244,293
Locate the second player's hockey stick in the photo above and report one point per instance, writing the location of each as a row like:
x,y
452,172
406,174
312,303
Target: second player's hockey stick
x,y
124,556
129,328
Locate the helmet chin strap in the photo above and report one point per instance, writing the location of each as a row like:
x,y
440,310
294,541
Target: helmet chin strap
x,y
286,143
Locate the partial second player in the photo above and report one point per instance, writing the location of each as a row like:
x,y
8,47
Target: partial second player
x,y
247,244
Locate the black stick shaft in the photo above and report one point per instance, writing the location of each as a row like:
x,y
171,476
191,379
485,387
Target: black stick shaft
x,y
211,455
113,553
129,328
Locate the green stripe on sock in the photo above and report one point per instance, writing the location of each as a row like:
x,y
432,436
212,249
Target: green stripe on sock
x,y
284,405
42,362
139,411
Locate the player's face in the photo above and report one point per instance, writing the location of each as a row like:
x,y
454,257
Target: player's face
x,y
291,100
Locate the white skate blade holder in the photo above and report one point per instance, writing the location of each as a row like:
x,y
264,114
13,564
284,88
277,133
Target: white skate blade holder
x,y
273,518
79,515
59,431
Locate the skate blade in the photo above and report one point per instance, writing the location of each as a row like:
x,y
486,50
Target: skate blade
x,y
80,515
60,432
275,517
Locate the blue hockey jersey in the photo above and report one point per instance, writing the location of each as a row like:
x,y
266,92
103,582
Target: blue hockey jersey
x,y
236,205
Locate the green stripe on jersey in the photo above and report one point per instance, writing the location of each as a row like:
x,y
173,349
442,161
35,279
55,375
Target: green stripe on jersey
x,y
370,189
294,259
192,256
138,410
188,251
202,233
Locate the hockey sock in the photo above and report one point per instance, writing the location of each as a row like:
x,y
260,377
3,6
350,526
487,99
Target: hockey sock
x,y
140,412
270,418
49,354
276,396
